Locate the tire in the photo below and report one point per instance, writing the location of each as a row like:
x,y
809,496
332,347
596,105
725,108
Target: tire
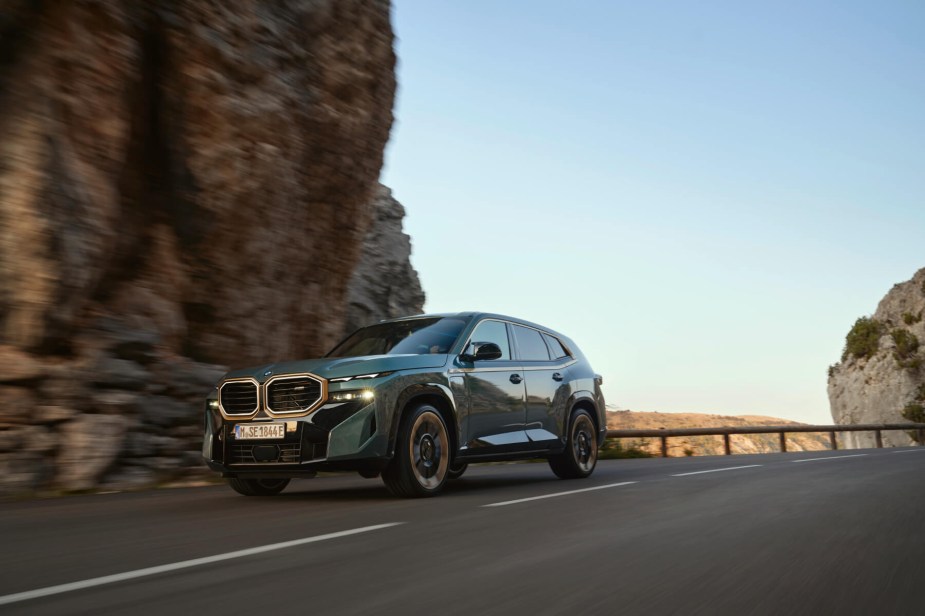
x,y
580,455
422,454
258,487
456,470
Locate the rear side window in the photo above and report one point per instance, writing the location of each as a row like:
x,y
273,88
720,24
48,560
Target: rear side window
x,y
530,344
555,347
493,331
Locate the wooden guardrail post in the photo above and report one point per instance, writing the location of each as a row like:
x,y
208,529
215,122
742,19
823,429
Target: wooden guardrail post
x,y
921,432
664,446
878,436
833,441
783,441
726,445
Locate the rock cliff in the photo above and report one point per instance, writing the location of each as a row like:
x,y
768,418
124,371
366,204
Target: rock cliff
x,y
881,377
184,185
384,284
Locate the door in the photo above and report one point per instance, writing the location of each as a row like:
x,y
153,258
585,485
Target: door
x,y
496,392
547,381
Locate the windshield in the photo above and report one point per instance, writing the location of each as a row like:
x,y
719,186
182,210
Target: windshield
x,y
411,337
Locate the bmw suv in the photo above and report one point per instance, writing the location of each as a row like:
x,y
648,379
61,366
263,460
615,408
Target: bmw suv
x,y
413,400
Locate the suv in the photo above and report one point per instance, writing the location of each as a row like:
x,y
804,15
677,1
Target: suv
x,y
414,400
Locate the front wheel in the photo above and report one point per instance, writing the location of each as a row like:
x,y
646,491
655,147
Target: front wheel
x,y
258,487
422,455
580,455
456,470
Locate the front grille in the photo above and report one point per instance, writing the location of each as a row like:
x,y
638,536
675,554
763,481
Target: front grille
x,y
293,394
238,397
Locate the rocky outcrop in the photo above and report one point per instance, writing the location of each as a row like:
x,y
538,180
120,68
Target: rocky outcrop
x,y
183,186
384,284
881,375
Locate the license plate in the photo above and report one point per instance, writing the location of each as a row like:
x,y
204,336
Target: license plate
x,y
247,432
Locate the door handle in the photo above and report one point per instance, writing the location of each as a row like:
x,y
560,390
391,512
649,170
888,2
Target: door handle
x,y
557,376
516,378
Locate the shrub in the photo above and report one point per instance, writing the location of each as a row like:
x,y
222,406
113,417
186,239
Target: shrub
x,y
832,369
914,412
920,393
912,319
863,341
613,449
688,452
907,345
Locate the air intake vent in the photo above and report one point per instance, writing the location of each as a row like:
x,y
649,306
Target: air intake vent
x,y
286,453
293,394
238,398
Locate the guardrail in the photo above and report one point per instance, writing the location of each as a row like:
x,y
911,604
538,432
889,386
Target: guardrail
x,y
664,434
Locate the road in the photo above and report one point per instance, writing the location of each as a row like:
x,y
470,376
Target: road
x,y
838,532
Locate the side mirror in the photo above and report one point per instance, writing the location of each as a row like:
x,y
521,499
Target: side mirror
x,y
481,351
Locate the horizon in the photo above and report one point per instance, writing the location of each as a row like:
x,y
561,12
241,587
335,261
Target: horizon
x,y
704,198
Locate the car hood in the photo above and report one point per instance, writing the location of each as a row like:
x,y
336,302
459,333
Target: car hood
x,y
335,367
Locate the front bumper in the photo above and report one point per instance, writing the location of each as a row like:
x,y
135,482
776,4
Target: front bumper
x,y
336,436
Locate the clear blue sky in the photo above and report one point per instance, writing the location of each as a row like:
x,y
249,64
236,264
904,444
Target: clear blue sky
x,y
704,195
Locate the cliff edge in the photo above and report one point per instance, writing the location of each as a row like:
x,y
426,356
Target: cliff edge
x,y
881,376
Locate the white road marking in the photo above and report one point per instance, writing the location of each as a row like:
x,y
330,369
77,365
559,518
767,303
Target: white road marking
x,y
533,498
857,455
716,470
185,564
909,450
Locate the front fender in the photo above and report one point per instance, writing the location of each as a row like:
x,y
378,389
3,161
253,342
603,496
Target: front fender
x,y
416,391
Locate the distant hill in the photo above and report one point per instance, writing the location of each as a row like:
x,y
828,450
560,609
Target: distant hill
x,y
710,445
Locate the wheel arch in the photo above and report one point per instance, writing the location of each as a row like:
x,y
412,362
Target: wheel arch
x,y
585,400
435,394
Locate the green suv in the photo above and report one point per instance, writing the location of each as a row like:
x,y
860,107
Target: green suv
x,y
414,400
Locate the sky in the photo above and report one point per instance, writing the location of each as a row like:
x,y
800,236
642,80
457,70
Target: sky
x,y
704,196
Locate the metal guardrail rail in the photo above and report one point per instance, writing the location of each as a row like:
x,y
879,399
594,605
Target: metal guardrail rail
x,y
665,433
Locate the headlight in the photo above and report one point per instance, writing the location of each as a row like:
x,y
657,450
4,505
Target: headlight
x,y
374,375
346,396
212,405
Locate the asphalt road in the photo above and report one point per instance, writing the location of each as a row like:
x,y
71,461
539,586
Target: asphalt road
x,y
773,534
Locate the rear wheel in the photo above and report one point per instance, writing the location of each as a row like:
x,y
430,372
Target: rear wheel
x,y
580,455
257,487
422,454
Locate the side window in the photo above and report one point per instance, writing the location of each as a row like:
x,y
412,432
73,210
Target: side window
x,y
530,344
493,331
555,347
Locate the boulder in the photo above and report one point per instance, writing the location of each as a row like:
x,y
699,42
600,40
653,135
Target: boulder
x,y
18,366
162,412
89,445
17,404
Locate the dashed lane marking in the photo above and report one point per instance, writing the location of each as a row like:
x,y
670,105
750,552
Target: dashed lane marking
x,y
185,564
716,470
910,450
554,494
856,455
